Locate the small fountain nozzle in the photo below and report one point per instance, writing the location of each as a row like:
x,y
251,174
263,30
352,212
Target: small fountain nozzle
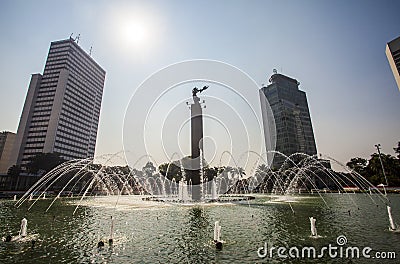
x,y
100,244
218,245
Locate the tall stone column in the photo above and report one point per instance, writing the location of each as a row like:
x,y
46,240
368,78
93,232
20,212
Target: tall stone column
x,y
197,144
196,122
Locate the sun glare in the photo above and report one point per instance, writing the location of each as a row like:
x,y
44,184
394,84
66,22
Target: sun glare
x,y
134,29
135,33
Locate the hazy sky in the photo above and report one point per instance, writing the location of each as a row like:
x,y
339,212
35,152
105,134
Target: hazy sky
x,y
336,49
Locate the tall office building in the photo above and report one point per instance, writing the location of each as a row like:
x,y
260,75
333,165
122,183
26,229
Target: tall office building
x,y
294,132
6,146
393,56
62,106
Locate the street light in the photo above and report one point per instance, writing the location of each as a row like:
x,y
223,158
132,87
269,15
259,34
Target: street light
x,y
383,169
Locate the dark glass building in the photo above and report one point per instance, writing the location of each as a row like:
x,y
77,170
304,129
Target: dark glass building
x,y
294,132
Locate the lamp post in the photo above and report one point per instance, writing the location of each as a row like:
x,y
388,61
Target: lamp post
x,y
378,146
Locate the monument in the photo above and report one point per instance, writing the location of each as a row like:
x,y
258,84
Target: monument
x,y
196,120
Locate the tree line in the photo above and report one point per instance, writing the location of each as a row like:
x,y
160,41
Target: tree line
x,y
372,170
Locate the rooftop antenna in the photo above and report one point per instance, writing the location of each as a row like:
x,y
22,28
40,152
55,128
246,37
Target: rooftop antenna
x,y
90,51
77,38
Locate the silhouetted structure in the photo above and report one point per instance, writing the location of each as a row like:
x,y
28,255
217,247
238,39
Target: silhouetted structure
x,y
294,132
196,142
393,56
7,140
62,106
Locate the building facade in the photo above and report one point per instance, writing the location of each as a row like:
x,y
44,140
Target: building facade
x,y
62,106
294,132
6,147
393,56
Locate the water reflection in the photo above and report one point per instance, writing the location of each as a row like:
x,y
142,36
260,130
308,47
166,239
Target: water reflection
x,y
183,234
195,237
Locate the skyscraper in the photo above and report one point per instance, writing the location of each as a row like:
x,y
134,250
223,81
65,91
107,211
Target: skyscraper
x,y
393,56
62,106
294,132
6,145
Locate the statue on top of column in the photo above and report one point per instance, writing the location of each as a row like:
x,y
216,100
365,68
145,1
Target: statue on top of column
x,y
196,90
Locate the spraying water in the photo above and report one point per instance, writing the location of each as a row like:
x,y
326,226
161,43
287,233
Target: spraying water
x,y
217,232
111,239
183,194
217,235
214,194
391,221
24,227
313,228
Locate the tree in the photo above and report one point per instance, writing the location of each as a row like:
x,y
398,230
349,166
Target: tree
x,y
170,170
397,150
374,171
210,173
239,172
44,162
14,171
149,169
358,165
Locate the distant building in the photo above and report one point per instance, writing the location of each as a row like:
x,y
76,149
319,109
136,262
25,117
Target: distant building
x,y
294,132
6,146
393,56
62,106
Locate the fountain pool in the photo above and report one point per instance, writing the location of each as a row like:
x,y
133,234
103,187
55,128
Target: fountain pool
x,y
153,232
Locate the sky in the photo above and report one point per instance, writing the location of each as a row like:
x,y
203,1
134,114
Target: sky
x,y
335,49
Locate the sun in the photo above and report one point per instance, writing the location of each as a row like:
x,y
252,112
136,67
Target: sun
x,y
135,29
135,33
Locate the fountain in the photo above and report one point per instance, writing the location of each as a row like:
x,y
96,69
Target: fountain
x,y
24,227
313,227
214,193
111,239
183,194
391,221
299,171
217,235
99,182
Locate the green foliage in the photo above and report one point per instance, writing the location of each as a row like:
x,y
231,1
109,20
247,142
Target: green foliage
x,y
372,169
149,169
173,171
14,170
374,172
210,172
44,162
170,170
358,165
397,150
